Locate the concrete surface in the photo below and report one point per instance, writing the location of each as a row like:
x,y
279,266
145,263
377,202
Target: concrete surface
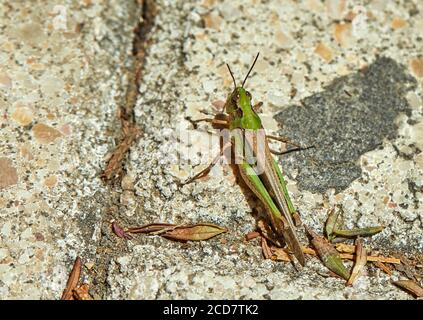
x,y
63,76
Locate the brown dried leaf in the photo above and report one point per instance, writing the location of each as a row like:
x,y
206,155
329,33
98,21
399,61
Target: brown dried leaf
x,y
405,267
410,286
268,233
151,227
267,253
309,251
328,254
197,232
117,230
360,261
297,219
345,248
73,280
279,254
81,293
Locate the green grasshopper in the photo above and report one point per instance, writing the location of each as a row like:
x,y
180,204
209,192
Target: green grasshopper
x,y
256,165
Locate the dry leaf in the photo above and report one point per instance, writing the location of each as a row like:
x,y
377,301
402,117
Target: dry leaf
x,y
310,251
151,227
198,232
81,293
328,254
267,253
73,280
405,267
360,261
117,230
279,254
410,286
345,248
268,233
331,223
297,219
359,232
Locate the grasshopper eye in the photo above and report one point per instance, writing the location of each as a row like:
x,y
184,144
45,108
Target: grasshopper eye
x,y
248,95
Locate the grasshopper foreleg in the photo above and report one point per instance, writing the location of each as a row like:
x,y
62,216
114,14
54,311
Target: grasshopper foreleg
x,y
286,140
210,166
213,121
257,107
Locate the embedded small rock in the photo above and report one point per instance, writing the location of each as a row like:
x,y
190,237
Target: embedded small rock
x,y
8,173
45,134
23,115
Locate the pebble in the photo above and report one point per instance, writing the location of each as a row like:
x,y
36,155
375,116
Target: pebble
x,y
8,173
50,181
398,23
335,8
23,115
45,134
417,67
5,80
324,52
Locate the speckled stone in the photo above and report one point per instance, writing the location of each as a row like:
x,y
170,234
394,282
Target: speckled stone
x,y
62,72
70,64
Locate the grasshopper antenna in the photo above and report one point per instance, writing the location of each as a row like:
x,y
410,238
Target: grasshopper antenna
x,y
232,75
251,68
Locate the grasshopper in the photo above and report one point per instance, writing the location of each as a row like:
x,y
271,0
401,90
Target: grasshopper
x,y
256,165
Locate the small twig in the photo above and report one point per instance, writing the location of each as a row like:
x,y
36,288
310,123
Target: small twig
x,y
114,164
372,258
383,267
348,256
252,235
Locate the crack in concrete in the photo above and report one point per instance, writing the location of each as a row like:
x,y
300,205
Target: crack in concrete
x,y
108,243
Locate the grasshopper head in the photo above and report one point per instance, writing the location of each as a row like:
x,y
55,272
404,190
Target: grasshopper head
x,y
238,106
